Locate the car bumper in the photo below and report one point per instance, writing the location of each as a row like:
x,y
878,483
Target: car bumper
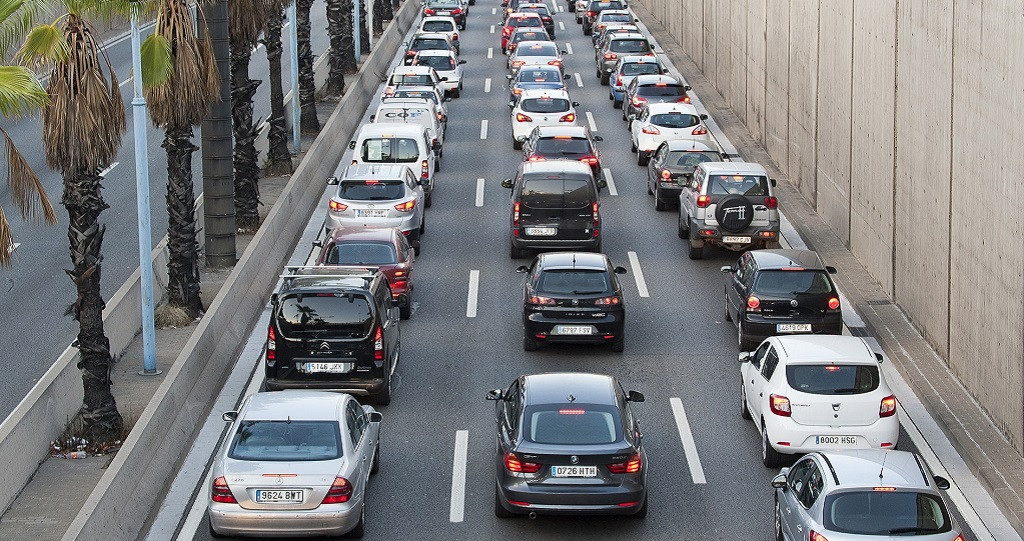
x,y
801,438
333,520
712,235
617,93
608,66
404,224
363,387
668,192
556,244
605,328
758,328
450,85
624,499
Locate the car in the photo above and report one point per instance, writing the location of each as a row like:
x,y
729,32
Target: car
x,y
448,68
535,77
525,34
771,292
511,6
555,205
545,15
564,143
600,37
447,8
519,20
862,495
414,111
383,248
333,329
813,392
295,463
671,167
660,122
647,89
399,143
572,297
540,107
430,93
428,41
378,196
568,443
580,9
535,53
610,16
594,8
441,25
729,204
410,76
620,44
626,68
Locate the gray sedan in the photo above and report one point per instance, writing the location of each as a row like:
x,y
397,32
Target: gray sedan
x,y
295,463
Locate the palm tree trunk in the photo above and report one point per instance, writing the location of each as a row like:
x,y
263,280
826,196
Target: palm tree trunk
x,y
84,201
388,11
182,246
278,156
364,37
337,60
307,84
245,159
379,15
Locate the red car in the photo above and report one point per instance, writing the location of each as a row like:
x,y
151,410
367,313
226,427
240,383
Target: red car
x,y
382,248
519,20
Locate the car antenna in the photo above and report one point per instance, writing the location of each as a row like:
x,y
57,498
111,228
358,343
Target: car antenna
x,y
882,471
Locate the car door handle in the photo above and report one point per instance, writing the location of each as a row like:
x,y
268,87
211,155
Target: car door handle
x,y
760,394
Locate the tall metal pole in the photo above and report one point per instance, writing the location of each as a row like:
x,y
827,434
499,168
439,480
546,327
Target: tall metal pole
x,y
369,20
218,170
142,199
293,43
357,26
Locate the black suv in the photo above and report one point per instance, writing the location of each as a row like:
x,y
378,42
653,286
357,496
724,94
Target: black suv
x,y
554,206
573,297
563,143
771,292
335,329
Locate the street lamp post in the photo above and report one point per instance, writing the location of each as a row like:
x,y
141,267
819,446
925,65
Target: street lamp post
x,y
357,25
293,43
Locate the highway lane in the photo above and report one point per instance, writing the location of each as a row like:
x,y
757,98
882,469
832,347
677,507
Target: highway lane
x,y
36,289
706,477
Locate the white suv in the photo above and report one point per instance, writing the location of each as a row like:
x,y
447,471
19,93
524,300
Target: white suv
x,y
814,393
541,107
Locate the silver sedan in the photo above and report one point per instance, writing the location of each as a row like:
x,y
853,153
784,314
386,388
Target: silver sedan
x,y
295,463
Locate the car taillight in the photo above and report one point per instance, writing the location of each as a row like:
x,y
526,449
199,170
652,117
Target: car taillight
x,y
515,214
571,117
514,465
888,406
536,159
684,99
959,538
410,53
666,174
541,301
378,345
703,200
632,466
597,217
637,100
753,304
221,493
608,301
520,117
433,142
428,11
700,130
424,169
518,63
771,202
271,344
610,56
517,91
815,536
554,62
337,206
507,30
340,491
651,130
618,80
779,405
589,160
590,14
457,11
406,207
833,303
455,36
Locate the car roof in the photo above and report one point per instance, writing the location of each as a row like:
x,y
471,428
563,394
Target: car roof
x,y
573,260
652,78
555,167
684,108
385,130
821,347
638,59
437,18
529,43
411,70
521,14
295,405
544,93
436,52
555,388
431,35
730,168
361,171
344,234
688,144
552,131
615,11
776,259
525,29
876,467
403,101
627,35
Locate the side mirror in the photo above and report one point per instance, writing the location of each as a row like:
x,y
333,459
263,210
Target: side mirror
x,y
495,394
273,299
564,52
436,145
318,243
726,268
830,269
522,269
703,117
687,88
507,183
424,182
620,270
636,20
598,138
405,44
635,396
374,417
880,357
941,482
461,62
779,481
372,117
575,104
508,76
352,145
565,77
664,70
773,181
229,416
511,104
444,78
744,356
333,181
601,183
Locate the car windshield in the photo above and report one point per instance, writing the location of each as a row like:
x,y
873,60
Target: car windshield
x,y
390,150
885,512
539,76
629,46
573,282
439,63
690,159
738,185
661,89
572,424
562,146
786,283
325,314
362,253
545,105
438,26
557,192
371,190
675,120
292,441
640,68
422,44
832,379
412,79
538,49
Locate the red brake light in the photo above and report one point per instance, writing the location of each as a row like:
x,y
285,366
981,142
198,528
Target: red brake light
x,y
340,491
753,304
833,303
666,174
703,200
637,100
589,160
608,301
771,202
221,493
590,14
337,206
597,217
406,207
652,130
571,117
888,406
959,538
632,466
457,11
618,80
515,214
541,301
517,91
520,117
536,159
610,56
378,344
410,53
455,36
518,63
700,130
554,62
428,11
424,169
779,405
815,536
567,411
271,343
884,489
513,465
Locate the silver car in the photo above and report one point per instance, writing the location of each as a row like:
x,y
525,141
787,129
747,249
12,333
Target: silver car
x,y
535,53
295,463
378,196
861,495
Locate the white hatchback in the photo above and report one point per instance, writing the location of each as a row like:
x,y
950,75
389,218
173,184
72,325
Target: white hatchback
x,y
541,107
448,68
659,122
441,25
814,393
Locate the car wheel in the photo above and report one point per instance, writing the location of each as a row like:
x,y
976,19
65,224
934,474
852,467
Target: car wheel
x,y
517,144
770,457
375,467
529,344
696,247
611,97
653,192
659,203
416,247
682,230
515,253
214,534
457,93
604,79
437,164
384,397
778,519
744,343
632,145
360,530
642,159
744,410
405,310
728,316
616,104
499,510
619,344
642,512
597,74
428,199
423,224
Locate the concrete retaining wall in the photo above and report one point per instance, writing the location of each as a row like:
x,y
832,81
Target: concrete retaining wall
x,y
899,122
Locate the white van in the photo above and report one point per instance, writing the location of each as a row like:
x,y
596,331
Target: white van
x,y
408,144
413,111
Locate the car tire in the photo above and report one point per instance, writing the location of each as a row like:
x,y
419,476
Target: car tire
x,y
642,512
778,519
623,113
457,93
658,203
604,79
619,344
499,510
642,159
423,224
725,308
611,97
214,534
682,231
744,343
405,310
696,247
384,397
632,145
597,74
515,253
437,164
744,410
375,467
517,144
572,7
616,104
649,190
770,457
428,200
529,344
360,530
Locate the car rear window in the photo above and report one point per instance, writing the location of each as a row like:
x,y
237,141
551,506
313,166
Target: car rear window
x,y
439,63
524,21
539,10
832,379
573,282
690,159
421,94
343,315
557,193
601,6
292,441
675,120
572,424
787,283
390,150
616,17
661,89
538,49
371,190
438,26
411,79
421,44
539,76
362,253
630,46
886,512
568,146
545,105
529,36
738,185
640,68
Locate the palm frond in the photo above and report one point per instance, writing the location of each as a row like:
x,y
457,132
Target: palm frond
x,y
44,44
16,18
20,92
26,189
6,240
184,98
246,20
157,64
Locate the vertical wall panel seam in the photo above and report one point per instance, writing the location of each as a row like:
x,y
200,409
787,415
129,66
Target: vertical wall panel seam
x,y
949,223
764,87
817,94
895,142
849,171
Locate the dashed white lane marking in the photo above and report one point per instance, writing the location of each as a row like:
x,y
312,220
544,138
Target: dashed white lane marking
x,y
561,25
490,52
126,81
12,248
474,288
579,80
487,84
612,190
104,172
638,275
692,459
479,192
458,506
492,28
483,129
568,46
494,11
590,120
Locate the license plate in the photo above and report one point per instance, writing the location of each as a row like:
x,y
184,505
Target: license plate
x,y
835,440
328,368
444,13
574,471
372,213
793,327
736,240
542,231
278,496
573,329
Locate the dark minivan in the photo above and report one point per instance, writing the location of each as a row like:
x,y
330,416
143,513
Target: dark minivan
x,y
333,328
554,206
773,292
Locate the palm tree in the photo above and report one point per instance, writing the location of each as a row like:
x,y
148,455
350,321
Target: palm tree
x,y
20,95
280,160
364,36
246,20
191,83
342,57
307,84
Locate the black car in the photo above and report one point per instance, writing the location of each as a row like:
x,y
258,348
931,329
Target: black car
x,y
545,15
771,292
334,329
595,7
574,298
554,206
671,168
564,143
427,41
644,89
446,8
568,443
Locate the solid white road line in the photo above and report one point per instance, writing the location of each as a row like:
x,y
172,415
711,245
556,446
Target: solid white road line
x,y
568,46
483,129
458,507
590,120
579,80
490,52
561,25
696,470
474,288
479,192
612,190
638,275
492,28
487,85
104,172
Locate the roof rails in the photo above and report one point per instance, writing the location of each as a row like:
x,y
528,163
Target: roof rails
x,y
294,273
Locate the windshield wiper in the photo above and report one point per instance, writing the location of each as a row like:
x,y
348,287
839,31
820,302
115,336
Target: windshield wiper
x,y
897,531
